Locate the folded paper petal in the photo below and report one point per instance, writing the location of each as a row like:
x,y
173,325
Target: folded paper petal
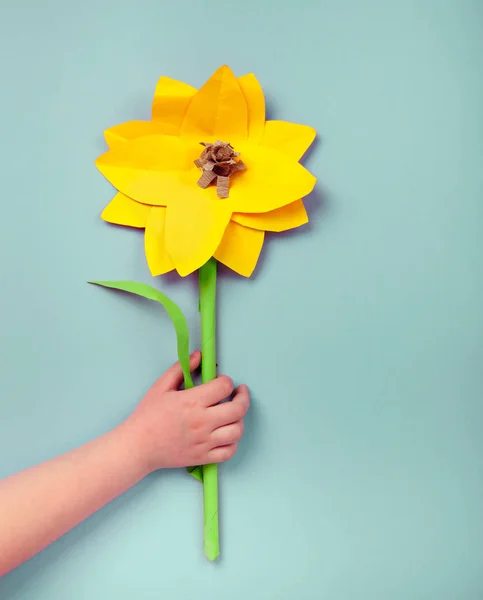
x,y
252,90
147,168
171,100
271,180
122,210
240,248
195,224
288,217
290,138
135,129
159,261
218,110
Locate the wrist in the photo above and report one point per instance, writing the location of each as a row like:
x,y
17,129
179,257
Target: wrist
x,y
132,449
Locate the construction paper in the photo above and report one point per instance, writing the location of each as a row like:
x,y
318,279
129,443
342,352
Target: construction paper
x,y
218,110
159,261
197,472
155,169
289,138
172,97
134,129
147,168
240,248
252,90
153,164
171,100
288,217
194,229
271,180
124,211
207,285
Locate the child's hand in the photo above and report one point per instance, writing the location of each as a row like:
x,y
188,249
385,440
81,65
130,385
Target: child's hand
x,y
172,428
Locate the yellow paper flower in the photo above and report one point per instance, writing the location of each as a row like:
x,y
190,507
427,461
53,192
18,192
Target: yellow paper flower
x,y
151,163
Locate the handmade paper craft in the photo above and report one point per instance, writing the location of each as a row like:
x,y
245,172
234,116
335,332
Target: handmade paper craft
x,y
205,179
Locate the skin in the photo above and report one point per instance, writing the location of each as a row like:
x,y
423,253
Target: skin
x,y
169,428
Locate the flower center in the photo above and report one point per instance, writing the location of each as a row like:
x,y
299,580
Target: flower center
x,y
218,163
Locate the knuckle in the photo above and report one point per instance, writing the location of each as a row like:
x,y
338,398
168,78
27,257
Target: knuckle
x,y
195,439
199,430
190,401
196,424
199,452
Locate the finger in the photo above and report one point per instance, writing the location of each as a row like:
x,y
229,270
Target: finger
x,y
212,392
173,377
223,436
231,412
222,453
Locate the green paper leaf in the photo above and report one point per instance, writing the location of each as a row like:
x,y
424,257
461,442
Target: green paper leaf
x,y
180,326
197,473
174,312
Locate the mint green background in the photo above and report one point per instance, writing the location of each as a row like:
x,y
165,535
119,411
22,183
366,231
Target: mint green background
x,y
361,471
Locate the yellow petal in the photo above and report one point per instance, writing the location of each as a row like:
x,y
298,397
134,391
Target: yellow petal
x,y
148,169
240,248
195,224
171,100
121,210
271,180
288,217
253,93
289,138
159,261
218,110
133,129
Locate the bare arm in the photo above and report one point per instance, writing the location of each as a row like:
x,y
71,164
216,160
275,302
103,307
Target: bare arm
x,y
169,428
42,503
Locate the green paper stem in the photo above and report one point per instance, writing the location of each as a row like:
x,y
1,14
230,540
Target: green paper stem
x,y
207,284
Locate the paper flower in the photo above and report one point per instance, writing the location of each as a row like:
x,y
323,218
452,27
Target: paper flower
x,y
205,179
152,164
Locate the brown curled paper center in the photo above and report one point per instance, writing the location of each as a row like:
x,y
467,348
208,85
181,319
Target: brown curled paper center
x,y
218,162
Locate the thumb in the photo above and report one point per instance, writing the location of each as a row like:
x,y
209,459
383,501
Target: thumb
x,y
173,378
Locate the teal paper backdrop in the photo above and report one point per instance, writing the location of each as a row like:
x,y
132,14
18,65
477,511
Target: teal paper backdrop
x,y
361,335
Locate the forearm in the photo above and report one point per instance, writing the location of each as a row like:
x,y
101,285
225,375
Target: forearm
x,y
42,503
